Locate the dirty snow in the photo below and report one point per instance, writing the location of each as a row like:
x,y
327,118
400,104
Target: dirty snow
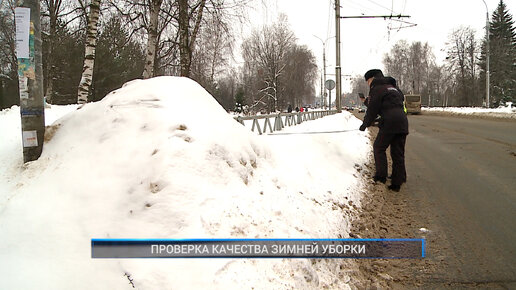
x,y
160,158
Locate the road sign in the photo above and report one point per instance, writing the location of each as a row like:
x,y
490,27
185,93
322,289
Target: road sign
x,y
329,84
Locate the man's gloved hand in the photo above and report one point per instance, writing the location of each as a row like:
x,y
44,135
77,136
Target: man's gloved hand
x,y
362,128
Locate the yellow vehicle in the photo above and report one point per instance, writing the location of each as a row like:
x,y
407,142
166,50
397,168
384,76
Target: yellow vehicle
x,y
413,104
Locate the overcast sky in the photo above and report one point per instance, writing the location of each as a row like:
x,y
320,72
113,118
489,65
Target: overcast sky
x,y
365,41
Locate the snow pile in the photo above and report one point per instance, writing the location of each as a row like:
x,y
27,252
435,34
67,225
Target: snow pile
x,y
501,112
161,159
10,138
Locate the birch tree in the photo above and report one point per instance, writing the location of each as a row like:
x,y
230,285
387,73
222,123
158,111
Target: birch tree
x,y
89,54
172,29
152,38
154,21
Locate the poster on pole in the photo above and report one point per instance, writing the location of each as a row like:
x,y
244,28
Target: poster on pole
x,y
22,20
30,138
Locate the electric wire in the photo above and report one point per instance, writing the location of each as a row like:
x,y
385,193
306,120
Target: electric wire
x,y
363,8
402,11
329,20
379,5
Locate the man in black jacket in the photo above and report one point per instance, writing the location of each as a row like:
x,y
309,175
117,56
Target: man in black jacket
x,y
386,100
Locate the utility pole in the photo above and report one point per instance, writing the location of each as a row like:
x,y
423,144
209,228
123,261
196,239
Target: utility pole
x,y
337,53
30,76
487,54
487,64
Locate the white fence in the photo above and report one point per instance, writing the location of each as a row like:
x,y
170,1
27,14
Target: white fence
x,y
281,120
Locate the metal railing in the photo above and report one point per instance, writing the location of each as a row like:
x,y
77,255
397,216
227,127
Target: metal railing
x,y
282,119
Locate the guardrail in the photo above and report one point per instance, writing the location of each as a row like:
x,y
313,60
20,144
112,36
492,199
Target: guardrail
x,y
282,119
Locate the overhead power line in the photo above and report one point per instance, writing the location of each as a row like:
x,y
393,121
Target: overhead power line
x,y
378,16
329,19
379,5
361,7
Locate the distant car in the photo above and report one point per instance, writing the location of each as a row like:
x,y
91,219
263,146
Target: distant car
x,y
362,109
350,108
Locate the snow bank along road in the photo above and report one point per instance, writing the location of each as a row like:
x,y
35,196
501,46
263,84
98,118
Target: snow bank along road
x,y
138,165
462,188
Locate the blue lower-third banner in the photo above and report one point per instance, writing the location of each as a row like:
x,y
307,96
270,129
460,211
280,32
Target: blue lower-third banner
x,y
259,248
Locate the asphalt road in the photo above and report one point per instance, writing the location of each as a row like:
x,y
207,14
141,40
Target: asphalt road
x,y
462,188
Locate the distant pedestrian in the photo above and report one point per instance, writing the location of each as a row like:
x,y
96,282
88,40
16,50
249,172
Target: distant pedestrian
x,y
386,100
297,109
301,109
289,109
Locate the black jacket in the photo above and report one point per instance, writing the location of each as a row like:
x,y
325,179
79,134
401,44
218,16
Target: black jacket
x,y
386,100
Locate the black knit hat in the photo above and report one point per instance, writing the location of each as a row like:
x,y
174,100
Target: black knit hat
x,y
376,73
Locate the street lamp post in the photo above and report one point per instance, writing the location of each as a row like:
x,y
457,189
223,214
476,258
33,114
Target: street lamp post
x,y
487,54
324,68
338,92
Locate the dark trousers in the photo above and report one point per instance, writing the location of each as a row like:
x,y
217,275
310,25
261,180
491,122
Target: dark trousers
x,y
397,143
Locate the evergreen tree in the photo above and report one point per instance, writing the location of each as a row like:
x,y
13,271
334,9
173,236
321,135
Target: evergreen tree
x,y
502,54
8,62
120,60
67,66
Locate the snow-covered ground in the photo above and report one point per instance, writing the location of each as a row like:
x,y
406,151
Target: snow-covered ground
x,y
502,112
161,159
